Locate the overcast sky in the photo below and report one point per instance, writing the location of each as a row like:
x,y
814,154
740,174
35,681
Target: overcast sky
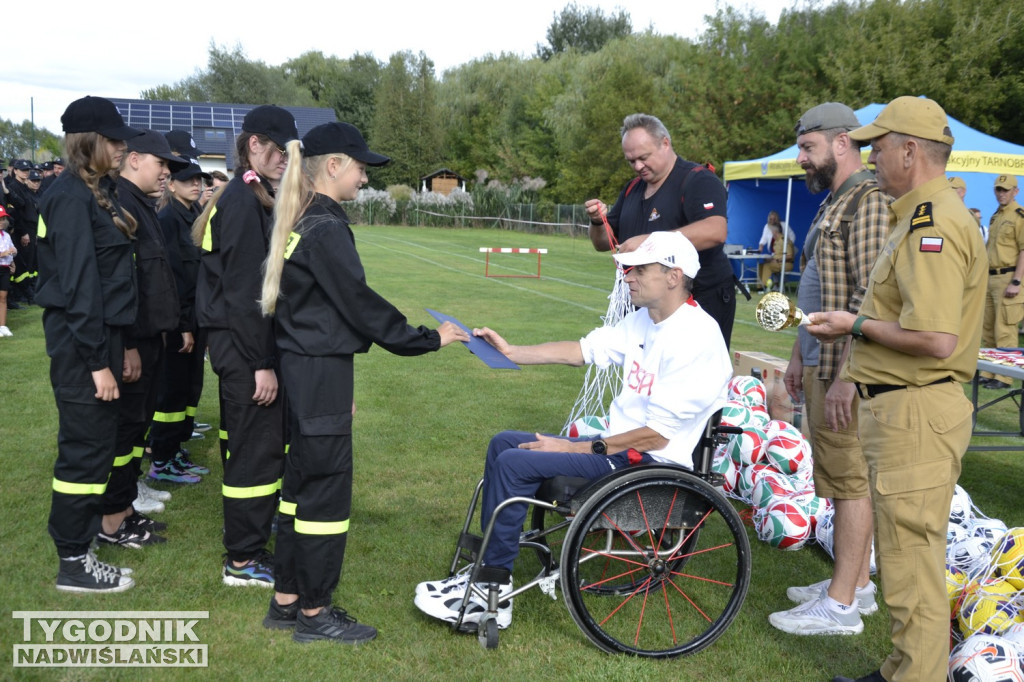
x,y
57,53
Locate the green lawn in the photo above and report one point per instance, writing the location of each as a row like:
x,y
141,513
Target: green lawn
x,y
420,432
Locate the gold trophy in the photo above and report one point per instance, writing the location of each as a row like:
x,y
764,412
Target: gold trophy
x,y
775,312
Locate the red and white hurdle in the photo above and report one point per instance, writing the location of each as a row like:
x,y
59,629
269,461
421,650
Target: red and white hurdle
x,y
490,250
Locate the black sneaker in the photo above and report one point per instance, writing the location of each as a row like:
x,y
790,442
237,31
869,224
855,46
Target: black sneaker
x,y
258,571
281,617
140,520
331,624
130,536
89,574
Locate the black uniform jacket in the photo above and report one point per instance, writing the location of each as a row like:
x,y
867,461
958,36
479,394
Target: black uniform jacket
x,y
230,273
85,265
327,308
158,294
176,220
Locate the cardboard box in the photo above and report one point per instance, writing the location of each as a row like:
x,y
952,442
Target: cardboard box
x,y
744,362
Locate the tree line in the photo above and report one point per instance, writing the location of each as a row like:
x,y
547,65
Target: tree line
x,y
733,93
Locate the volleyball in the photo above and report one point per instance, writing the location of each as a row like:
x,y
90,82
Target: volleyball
x,y
735,413
585,427
747,448
749,390
786,453
771,485
784,525
748,478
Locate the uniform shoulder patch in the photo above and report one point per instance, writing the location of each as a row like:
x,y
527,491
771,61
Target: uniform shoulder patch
x,y
922,216
1020,211
293,241
931,244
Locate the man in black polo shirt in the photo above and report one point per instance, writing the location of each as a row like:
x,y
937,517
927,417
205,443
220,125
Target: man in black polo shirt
x,y
670,193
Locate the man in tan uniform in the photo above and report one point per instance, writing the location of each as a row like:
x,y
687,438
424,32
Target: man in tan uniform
x,y
1004,305
916,337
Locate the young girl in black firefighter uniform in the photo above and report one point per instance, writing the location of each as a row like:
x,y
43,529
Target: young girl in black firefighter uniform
x,y
87,288
325,313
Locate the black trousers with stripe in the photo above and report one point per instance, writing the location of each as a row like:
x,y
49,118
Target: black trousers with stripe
x,y
179,388
86,436
316,493
254,460
138,400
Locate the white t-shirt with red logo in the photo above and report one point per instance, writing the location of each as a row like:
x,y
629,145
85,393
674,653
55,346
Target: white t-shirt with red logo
x,y
674,375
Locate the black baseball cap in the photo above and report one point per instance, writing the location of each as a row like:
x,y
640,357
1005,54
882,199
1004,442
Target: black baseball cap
x,y
96,115
47,165
274,122
59,161
35,175
21,164
152,142
182,144
340,138
190,172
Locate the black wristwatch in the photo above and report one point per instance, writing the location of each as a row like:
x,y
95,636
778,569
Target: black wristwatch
x,y
1015,282
598,447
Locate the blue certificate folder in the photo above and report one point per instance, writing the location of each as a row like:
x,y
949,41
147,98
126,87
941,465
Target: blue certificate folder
x,y
477,346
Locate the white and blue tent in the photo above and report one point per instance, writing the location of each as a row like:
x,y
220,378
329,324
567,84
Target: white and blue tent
x,y
775,182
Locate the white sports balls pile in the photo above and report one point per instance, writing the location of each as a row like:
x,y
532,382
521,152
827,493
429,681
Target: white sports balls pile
x,y
986,658
769,467
588,426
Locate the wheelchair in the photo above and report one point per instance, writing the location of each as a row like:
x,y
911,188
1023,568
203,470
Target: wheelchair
x,y
652,560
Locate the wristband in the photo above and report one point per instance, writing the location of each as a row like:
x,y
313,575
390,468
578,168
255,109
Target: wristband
x,y
855,331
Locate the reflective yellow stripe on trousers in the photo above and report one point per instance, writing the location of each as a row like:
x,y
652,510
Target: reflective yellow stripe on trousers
x,y
252,491
321,527
79,488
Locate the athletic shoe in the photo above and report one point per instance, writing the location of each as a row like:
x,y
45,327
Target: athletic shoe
x,y
817,618
142,521
447,608
331,624
130,536
158,495
86,573
258,571
201,427
445,586
169,472
281,617
865,595
183,463
196,436
147,505
4,331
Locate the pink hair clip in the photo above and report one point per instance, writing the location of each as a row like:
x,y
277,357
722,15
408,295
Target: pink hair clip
x,y
250,176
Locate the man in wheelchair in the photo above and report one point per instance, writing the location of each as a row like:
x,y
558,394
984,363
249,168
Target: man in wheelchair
x,y
675,373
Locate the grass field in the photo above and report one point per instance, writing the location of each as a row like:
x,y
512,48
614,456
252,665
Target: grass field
x,y
420,432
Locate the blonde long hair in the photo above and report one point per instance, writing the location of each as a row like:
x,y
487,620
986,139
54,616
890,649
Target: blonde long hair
x,y
294,196
85,152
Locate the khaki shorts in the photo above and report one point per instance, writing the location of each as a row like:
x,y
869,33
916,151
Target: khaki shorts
x,y
840,470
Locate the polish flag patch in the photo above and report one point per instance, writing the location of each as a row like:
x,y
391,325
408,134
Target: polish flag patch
x,y
932,244
708,206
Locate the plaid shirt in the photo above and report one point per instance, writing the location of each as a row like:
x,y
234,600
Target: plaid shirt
x,y
845,265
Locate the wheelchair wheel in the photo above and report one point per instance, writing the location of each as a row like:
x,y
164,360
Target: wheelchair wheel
x,y
657,563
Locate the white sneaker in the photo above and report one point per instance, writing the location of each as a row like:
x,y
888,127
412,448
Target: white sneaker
x,y
147,505
865,595
817,618
447,609
146,491
445,586
4,331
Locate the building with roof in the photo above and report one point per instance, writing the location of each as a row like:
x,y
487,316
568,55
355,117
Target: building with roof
x,y
442,181
213,126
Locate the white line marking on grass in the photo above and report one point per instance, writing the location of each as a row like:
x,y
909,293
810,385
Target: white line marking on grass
x,y
486,279
481,261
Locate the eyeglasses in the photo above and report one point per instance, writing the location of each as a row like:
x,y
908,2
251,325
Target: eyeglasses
x,y
282,151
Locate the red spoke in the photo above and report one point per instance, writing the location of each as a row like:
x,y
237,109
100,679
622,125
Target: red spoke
x,y
701,551
668,611
692,603
643,587
640,620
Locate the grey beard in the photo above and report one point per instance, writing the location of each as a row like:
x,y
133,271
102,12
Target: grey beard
x,y
822,177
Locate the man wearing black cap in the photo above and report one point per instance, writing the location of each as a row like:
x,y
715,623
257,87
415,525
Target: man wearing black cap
x,y
915,340
147,163
235,234
842,245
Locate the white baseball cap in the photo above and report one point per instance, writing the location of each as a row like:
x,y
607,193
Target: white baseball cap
x,y
669,248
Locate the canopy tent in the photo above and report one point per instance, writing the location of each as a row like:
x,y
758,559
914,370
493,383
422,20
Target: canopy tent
x,y
775,182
